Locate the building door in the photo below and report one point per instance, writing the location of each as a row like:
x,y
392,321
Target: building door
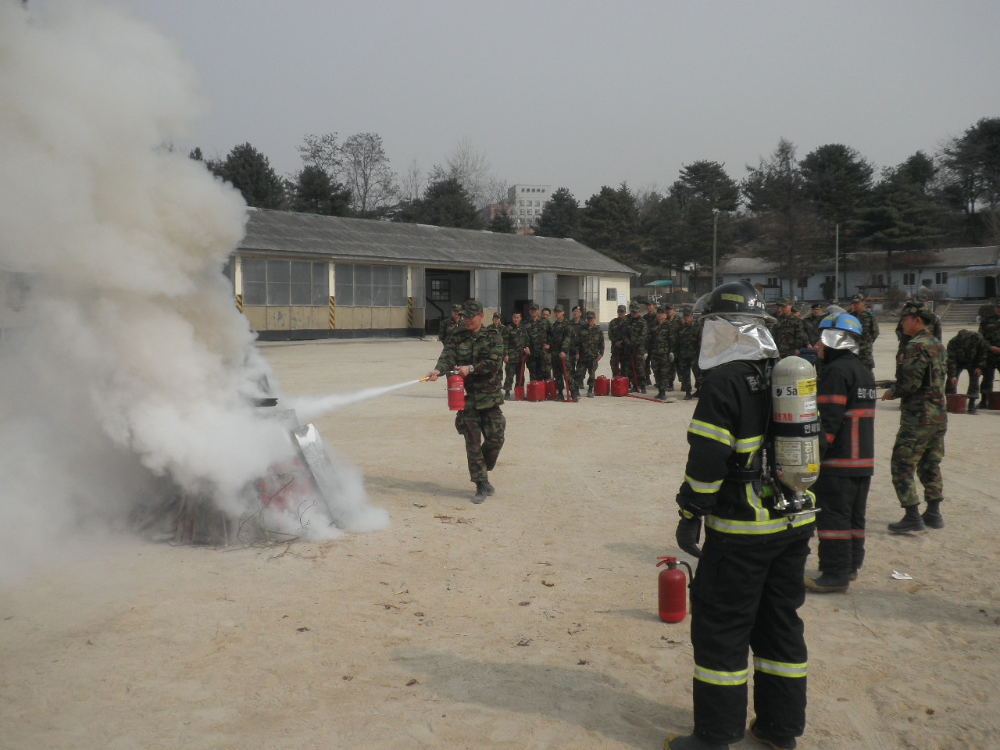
x,y
443,288
514,295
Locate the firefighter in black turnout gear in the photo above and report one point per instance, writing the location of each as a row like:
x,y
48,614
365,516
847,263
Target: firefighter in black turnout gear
x,y
750,578
846,400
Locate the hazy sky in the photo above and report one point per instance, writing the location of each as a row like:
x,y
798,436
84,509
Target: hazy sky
x,y
584,94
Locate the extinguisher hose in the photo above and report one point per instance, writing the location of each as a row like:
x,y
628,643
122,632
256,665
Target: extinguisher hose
x,y
690,572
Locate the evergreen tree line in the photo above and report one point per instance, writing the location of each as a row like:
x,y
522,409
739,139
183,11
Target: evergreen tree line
x,y
784,209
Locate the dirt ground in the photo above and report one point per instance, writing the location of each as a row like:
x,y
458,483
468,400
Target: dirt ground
x,y
526,622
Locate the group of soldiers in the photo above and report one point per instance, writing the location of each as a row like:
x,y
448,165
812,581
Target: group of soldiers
x,y
794,334
978,354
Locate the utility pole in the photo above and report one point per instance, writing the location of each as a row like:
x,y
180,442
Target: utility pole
x,y
836,262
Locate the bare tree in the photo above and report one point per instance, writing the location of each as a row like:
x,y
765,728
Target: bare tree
x,y
322,151
472,170
412,185
372,183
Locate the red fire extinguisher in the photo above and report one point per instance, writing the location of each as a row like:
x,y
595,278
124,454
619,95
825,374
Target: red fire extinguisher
x,y
456,391
673,589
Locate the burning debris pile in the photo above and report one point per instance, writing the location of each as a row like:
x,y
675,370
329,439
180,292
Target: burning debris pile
x,y
134,375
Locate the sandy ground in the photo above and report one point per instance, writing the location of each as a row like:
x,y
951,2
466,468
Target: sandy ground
x,y
526,622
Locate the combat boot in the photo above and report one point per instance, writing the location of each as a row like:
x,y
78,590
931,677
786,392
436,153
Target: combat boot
x,y
983,402
670,388
692,742
973,409
932,516
687,395
827,583
911,521
590,392
482,491
576,395
772,741
506,394
642,389
661,395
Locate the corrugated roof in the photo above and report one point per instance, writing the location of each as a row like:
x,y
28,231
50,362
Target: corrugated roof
x,y
362,240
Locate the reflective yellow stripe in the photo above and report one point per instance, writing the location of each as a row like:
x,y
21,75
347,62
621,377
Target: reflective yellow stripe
x,y
712,432
713,677
753,500
703,487
750,444
779,668
728,526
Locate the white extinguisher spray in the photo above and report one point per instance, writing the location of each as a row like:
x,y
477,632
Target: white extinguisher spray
x,y
795,431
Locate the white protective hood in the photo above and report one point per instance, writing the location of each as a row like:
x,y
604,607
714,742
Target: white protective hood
x,y
734,338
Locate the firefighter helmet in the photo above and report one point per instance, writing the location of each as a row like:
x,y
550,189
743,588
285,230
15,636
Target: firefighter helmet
x,y
842,322
735,298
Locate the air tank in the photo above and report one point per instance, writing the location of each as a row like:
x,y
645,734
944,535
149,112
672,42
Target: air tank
x,y
796,429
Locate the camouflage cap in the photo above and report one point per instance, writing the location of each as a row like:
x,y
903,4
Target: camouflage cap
x,y
668,308
817,306
650,303
496,316
661,311
560,308
782,302
920,309
634,307
621,308
591,315
471,308
457,307
687,310
857,298
533,307
577,307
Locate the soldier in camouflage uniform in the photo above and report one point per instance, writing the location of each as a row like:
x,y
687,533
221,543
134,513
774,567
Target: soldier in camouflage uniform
x,y
923,421
967,352
661,347
516,345
477,354
989,329
811,323
651,323
616,335
688,348
452,324
498,327
635,348
590,344
575,325
559,344
869,325
788,331
675,323
537,331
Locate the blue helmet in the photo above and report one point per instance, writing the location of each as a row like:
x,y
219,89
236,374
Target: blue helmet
x,y
842,322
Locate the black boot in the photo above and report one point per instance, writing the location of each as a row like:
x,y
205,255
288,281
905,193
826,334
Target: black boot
x,y
972,406
590,392
911,521
932,516
692,742
506,394
661,395
482,491
983,402
687,395
772,741
670,387
828,583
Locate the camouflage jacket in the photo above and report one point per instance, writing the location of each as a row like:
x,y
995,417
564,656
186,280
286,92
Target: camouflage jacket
x,y
811,324
574,334
484,352
538,335
904,339
501,330
661,340
966,349
689,341
560,337
516,342
590,342
447,328
921,381
635,335
616,330
989,329
789,335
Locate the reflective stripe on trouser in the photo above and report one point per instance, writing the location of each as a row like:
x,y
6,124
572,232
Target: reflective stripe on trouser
x,y
746,596
840,526
483,430
918,448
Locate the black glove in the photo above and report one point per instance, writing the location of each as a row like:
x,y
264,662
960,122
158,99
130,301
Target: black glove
x,y
688,534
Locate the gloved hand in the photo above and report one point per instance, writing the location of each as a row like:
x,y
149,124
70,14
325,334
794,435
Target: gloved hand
x,y
688,534
670,357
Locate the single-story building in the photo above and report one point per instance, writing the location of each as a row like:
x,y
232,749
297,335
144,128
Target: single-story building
x,y
955,273
302,276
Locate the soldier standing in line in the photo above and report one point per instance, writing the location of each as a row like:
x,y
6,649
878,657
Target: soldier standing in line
x,y
476,354
575,325
923,421
967,352
635,348
516,352
559,342
661,346
688,346
811,323
452,324
651,323
846,399
498,327
989,329
590,343
788,331
537,332
675,323
616,335
869,324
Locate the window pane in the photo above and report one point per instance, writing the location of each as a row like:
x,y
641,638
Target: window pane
x,y
299,294
278,272
301,271
254,293
380,296
344,285
253,271
320,289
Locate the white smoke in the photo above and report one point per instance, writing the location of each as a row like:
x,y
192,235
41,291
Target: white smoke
x,y
136,362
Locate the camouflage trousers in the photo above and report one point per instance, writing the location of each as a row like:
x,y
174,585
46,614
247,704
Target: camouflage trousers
x,y
841,525
866,356
586,367
633,367
513,374
992,365
483,430
684,370
662,369
617,362
538,366
561,371
920,448
973,390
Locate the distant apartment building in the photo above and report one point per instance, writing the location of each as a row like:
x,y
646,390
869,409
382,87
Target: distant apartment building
x,y
526,203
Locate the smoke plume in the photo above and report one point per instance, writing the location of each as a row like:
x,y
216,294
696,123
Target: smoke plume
x,y
127,359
